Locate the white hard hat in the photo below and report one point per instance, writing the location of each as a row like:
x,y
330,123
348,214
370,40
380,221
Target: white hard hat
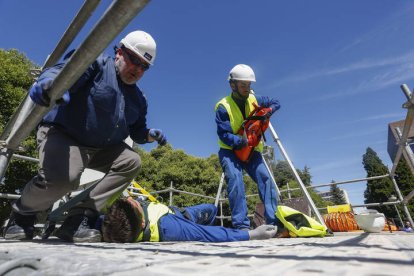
x,y
142,44
242,72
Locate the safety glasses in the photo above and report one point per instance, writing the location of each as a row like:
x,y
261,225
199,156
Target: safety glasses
x,y
135,60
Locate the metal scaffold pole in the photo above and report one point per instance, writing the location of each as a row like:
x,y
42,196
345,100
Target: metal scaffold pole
x,y
114,20
403,145
216,202
295,173
71,32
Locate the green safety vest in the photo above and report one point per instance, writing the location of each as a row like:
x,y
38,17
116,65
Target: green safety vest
x,y
299,224
153,212
236,116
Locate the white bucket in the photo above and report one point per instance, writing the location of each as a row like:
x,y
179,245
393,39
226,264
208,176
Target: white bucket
x,y
371,221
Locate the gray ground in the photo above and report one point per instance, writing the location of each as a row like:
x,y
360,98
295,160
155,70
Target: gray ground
x,y
344,254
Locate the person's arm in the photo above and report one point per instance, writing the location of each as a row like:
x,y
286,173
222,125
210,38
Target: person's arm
x,y
174,228
39,92
224,130
139,131
90,72
265,101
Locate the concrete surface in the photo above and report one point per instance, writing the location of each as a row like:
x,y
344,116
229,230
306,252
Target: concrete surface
x,y
343,254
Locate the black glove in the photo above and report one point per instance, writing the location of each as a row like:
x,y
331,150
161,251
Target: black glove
x,y
269,112
158,136
243,143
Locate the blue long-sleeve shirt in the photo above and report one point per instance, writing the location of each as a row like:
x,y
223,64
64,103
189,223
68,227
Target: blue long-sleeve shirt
x,y
102,110
176,228
224,130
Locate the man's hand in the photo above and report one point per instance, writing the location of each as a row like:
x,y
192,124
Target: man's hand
x,y
268,112
263,232
39,93
242,143
158,136
64,100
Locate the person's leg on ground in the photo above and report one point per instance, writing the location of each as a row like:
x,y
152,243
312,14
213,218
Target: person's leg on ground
x,y
204,214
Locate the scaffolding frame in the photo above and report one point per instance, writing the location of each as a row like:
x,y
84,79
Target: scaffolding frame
x,y
112,22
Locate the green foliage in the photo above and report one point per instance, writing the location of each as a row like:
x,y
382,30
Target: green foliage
x,y
305,176
282,173
15,80
284,178
378,190
337,196
164,166
405,180
293,184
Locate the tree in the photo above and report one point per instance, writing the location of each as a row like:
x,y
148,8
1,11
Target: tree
x,y
337,196
405,181
282,173
378,190
305,176
284,178
164,165
15,80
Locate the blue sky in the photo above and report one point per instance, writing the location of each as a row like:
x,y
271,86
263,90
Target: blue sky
x,y
335,67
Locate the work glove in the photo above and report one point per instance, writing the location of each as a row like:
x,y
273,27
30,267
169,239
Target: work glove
x,y
39,93
263,232
64,100
158,136
243,143
268,113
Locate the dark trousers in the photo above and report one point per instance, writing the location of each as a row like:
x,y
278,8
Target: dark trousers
x,y
62,161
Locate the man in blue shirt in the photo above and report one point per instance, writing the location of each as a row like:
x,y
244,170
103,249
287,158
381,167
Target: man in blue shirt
x,y
129,220
86,129
231,111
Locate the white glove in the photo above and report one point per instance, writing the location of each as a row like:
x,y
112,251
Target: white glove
x,y
263,232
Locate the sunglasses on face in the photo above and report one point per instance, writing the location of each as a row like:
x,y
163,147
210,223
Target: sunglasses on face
x,y
244,83
135,60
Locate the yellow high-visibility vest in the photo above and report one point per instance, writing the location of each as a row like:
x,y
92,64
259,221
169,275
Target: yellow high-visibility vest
x,y
236,116
155,211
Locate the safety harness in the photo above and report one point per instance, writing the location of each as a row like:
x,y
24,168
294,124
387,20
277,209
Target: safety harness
x,y
253,129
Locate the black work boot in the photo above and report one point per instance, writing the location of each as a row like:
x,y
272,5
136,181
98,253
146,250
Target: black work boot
x,y
20,227
79,227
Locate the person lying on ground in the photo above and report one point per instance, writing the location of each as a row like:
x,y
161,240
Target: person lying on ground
x,y
130,220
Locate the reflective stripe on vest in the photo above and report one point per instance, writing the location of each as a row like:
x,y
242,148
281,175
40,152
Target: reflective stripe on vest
x,y
155,211
236,116
299,224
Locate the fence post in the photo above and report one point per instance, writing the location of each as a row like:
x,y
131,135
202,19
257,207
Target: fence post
x,y
171,193
288,190
221,213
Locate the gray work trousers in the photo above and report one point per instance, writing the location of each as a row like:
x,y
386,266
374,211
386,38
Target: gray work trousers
x,y
62,161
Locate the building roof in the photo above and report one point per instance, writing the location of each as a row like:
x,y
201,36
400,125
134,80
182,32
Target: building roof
x,y
355,253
